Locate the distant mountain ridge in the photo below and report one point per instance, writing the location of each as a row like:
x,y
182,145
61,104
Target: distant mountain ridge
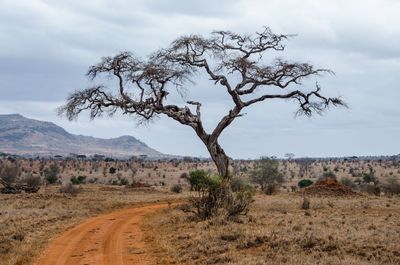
x,y
22,136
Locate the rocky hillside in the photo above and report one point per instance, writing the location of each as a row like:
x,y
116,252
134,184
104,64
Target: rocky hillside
x,y
23,136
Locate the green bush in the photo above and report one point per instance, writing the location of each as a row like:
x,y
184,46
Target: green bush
x,y
119,181
210,195
51,174
112,170
370,176
78,180
305,183
50,179
197,179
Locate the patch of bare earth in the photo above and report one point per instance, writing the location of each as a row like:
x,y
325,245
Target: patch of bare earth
x,y
335,230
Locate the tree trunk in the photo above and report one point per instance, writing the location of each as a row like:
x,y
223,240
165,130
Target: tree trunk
x,y
220,159
222,162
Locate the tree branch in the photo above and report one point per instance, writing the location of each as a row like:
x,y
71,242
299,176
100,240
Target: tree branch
x,y
230,60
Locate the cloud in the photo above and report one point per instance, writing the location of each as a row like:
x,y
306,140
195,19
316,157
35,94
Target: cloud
x,y
47,46
206,8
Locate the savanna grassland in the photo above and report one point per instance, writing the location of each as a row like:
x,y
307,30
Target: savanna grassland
x,y
167,173
334,230
360,229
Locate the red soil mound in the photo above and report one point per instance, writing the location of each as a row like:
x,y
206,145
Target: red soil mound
x,y
329,187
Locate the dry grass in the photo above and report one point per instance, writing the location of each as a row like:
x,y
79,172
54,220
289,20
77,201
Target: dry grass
x,y
357,230
29,221
362,230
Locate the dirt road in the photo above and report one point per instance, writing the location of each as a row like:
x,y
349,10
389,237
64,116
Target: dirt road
x,y
110,239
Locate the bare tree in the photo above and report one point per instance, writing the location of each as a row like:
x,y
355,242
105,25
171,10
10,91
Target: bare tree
x,y
230,60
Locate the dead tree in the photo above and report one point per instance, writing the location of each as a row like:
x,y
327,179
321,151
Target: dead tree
x,y
232,61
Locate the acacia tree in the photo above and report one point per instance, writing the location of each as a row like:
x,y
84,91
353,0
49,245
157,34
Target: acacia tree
x,y
232,61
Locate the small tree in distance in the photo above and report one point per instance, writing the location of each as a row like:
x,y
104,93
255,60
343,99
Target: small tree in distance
x,y
266,173
289,156
230,60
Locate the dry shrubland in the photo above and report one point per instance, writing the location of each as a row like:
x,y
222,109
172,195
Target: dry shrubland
x,y
361,229
168,173
335,230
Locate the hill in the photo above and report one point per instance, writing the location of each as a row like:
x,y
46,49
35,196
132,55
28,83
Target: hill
x,y
22,136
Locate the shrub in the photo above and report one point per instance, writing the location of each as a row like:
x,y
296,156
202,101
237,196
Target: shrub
x,y
242,201
93,180
78,180
69,189
51,174
197,179
113,182
392,186
112,170
305,183
210,196
123,181
370,176
328,174
306,204
31,184
239,184
184,175
371,189
51,179
13,183
348,182
119,181
9,174
271,189
177,188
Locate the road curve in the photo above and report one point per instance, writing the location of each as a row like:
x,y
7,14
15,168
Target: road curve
x,y
109,239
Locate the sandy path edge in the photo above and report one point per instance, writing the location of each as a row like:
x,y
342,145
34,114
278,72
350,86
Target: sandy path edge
x,y
108,239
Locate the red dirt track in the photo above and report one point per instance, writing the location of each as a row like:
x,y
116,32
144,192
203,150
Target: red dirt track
x,y
109,239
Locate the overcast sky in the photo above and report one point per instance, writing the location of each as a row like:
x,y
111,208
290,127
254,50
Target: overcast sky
x,y
47,46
